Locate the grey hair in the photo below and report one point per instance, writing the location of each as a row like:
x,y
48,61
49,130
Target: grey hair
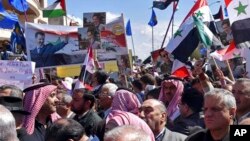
x,y
161,106
111,87
244,81
15,91
67,98
224,95
7,125
130,133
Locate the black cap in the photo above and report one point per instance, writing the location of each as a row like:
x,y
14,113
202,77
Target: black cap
x,y
35,86
14,104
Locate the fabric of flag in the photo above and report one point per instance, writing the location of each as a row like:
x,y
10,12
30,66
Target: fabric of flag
x,y
239,17
7,20
206,36
225,12
179,69
57,9
89,61
20,5
228,53
128,29
219,15
186,38
245,54
162,4
153,20
17,39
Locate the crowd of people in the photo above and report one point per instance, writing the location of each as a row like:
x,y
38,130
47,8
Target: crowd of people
x,y
152,107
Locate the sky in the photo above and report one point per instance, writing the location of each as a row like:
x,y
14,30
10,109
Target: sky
x,y
139,13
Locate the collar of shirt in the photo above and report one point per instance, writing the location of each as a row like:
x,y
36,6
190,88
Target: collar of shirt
x,y
244,117
160,135
107,112
81,116
71,113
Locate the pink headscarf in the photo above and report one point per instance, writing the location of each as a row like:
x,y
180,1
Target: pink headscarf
x,y
173,104
125,101
33,102
126,118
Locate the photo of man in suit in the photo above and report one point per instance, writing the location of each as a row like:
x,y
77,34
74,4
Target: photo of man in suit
x,y
43,54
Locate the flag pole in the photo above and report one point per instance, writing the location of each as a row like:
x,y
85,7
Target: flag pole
x,y
133,44
87,60
172,17
230,71
25,14
152,38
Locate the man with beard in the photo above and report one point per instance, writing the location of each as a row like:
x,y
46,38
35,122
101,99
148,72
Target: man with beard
x,y
40,100
154,113
82,105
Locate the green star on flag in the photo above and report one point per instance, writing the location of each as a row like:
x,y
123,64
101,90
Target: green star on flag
x,y
241,8
199,14
178,33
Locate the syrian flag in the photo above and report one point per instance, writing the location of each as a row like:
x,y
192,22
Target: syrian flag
x,y
179,69
186,38
206,36
239,17
162,4
87,70
57,9
219,15
228,53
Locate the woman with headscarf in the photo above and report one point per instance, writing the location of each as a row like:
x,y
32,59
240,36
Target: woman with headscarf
x,y
171,90
40,100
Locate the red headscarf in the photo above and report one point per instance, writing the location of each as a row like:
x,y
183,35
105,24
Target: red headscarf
x,y
173,104
125,101
33,102
126,118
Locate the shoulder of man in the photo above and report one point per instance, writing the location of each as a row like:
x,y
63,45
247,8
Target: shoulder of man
x,y
173,136
197,136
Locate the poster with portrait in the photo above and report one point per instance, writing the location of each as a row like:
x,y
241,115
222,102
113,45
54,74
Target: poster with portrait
x,y
123,64
113,40
53,45
224,31
95,22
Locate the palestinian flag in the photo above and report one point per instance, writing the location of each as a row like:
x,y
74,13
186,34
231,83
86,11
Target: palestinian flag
x,y
228,53
57,9
186,38
206,36
239,17
179,69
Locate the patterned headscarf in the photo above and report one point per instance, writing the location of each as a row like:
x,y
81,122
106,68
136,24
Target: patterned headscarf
x,y
33,102
126,118
173,104
125,101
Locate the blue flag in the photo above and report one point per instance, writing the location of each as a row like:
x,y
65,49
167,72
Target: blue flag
x,y
7,20
128,29
225,12
20,5
17,40
153,19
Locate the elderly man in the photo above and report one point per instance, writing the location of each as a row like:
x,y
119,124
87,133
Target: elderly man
x,y
64,105
154,113
241,91
126,133
219,111
106,97
11,90
7,125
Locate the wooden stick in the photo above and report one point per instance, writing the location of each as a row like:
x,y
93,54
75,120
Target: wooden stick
x,y
230,71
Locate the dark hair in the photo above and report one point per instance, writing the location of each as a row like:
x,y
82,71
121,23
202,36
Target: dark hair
x,y
154,93
101,76
91,98
63,130
193,98
225,22
136,83
195,81
81,90
148,79
39,33
15,91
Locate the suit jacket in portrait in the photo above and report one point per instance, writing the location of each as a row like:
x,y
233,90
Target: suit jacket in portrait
x,y
45,56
